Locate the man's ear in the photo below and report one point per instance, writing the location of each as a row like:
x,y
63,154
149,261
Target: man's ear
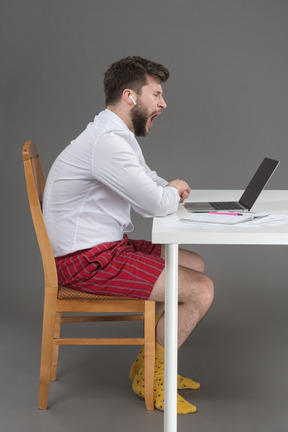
x,y
129,97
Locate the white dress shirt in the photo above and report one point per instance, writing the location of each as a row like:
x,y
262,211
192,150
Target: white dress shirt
x,y
93,184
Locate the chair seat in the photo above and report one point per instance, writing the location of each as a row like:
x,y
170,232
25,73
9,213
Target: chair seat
x,y
66,293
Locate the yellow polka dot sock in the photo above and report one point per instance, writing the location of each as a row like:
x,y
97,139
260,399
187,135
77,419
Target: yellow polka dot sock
x,y
139,362
182,382
137,365
183,407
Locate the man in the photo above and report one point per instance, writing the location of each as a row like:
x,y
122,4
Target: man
x,y
89,193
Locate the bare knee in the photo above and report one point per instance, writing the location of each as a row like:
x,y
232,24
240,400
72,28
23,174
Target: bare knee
x,y
206,295
196,289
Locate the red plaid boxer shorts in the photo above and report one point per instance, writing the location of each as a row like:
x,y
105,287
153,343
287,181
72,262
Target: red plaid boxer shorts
x,y
125,268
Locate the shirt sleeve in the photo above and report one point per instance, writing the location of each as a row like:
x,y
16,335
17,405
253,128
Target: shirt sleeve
x,y
159,180
117,166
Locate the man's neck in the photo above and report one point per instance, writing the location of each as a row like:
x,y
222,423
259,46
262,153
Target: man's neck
x,y
123,115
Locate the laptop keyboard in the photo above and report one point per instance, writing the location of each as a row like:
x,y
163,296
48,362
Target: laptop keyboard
x,y
226,206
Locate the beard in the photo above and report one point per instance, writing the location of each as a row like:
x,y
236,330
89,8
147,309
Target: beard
x,y
139,117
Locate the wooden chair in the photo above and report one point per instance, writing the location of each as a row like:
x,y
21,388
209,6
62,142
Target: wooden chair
x,y
60,299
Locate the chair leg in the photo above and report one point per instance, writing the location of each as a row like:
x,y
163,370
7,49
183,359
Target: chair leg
x,y
49,316
55,352
149,358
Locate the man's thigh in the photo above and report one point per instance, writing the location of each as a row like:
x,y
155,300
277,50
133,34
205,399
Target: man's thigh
x,y
191,284
188,259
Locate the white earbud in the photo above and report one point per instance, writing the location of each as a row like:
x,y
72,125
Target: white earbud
x,y
131,97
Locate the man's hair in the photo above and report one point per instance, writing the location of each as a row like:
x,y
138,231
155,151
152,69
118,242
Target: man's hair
x,y
130,72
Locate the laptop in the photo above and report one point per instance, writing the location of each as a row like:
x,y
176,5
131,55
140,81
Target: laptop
x,y
248,198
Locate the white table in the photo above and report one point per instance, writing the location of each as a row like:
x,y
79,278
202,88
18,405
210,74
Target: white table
x,y
165,233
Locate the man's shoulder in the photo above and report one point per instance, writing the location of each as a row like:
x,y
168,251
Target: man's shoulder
x,y
105,131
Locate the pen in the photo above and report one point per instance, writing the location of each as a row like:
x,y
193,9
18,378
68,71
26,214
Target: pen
x,y
230,214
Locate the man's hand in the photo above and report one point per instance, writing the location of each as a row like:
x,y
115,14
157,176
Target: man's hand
x,y
182,188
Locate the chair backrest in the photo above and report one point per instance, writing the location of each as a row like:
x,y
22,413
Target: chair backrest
x,y
35,187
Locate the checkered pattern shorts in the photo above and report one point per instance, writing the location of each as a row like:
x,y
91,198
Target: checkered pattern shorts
x,y
126,268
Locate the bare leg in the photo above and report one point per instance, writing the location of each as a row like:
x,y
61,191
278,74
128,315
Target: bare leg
x,y
195,295
186,259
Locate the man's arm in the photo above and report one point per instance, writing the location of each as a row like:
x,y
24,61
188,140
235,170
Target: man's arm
x,y
117,166
181,186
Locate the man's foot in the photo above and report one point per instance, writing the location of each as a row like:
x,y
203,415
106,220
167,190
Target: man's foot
x,y
182,382
183,407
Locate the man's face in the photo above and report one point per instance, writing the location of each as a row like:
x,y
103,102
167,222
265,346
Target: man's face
x,y
148,106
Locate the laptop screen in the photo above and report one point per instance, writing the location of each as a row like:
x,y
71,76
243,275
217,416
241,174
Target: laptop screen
x,y
258,182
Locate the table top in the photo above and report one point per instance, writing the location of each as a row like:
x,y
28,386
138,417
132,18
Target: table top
x,y
269,201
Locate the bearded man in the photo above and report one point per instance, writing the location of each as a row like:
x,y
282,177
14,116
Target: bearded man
x,y
89,193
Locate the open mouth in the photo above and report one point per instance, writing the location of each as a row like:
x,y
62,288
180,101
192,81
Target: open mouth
x,y
153,117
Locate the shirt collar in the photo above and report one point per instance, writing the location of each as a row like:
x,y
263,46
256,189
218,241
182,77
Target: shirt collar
x,y
110,116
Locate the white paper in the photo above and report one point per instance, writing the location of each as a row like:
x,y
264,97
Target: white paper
x,y
218,218
251,220
261,219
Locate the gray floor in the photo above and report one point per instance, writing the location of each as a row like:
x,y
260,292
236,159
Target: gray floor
x,y
239,353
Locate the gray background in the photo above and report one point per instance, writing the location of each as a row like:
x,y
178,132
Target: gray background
x,y
227,109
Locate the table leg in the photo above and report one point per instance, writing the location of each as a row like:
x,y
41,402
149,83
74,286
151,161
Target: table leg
x,y
171,337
